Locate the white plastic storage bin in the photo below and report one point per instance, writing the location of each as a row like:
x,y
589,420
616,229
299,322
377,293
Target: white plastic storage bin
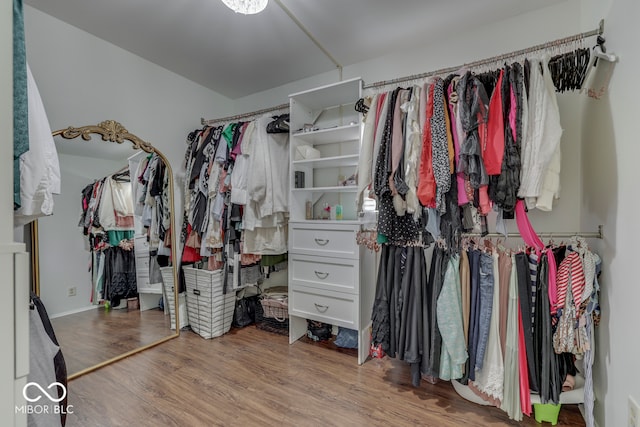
x,y
167,283
210,311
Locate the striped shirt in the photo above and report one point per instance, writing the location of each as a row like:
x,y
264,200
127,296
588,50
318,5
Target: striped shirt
x,y
570,271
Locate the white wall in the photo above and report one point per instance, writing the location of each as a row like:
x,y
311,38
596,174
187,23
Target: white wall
x,y
64,258
84,80
610,163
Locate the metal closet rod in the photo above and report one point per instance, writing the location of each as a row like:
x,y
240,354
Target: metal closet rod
x,y
547,234
498,58
209,122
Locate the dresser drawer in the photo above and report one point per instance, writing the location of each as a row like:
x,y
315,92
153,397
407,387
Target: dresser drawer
x,y
337,274
141,245
142,265
324,306
142,280
333,242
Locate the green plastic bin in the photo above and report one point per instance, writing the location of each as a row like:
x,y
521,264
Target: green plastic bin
x,y
546,412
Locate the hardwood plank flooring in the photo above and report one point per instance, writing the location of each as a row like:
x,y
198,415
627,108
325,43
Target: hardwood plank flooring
x,y
93,336
252,377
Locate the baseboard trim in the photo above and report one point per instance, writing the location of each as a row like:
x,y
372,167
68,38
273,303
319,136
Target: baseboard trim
x,y
74,311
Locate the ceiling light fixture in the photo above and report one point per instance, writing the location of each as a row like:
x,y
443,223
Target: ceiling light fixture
x,y
246,7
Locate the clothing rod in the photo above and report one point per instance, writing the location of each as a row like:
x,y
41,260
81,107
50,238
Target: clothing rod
x,y
448,70
564,234
204,122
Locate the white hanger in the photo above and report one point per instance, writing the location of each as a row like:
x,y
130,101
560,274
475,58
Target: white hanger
x,y
597,53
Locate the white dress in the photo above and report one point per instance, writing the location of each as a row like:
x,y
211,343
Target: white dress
x,y
39,167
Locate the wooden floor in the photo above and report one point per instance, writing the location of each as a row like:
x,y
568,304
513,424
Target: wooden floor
x,y
251,377
93,336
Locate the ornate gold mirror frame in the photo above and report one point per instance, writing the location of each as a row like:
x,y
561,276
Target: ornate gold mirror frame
x,y
112,131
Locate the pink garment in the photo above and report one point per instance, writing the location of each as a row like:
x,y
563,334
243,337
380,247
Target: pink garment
x,y
526,230
525,397
484,203
379,107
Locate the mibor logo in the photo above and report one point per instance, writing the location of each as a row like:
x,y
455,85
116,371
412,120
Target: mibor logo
x,y
32,395
34,392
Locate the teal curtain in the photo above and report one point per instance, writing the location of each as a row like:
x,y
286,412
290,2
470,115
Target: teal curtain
x,y
20,101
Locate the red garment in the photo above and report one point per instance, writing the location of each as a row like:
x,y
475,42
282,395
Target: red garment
x,y
426,179
493,150
189,253
525,397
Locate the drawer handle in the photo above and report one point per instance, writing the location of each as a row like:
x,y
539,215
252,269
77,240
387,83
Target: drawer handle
x,y
321,242
321,275
321,308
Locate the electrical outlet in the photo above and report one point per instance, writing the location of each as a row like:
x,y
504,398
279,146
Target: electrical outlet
x,y
634,413
71,292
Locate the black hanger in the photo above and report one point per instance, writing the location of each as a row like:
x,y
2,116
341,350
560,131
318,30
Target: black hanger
x,y
121,176
280,124
361,107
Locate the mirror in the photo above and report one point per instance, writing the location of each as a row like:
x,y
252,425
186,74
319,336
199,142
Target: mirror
x,y
97,261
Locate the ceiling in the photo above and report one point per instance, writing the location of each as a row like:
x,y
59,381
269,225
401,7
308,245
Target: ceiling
x,y
238,55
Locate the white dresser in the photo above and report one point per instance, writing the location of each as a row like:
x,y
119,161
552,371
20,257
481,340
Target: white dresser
x,y
148,293
331,278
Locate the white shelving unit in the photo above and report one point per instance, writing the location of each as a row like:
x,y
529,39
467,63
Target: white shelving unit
x,y
148,293
331,278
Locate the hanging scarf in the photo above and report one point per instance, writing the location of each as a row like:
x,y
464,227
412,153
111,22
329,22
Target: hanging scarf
x,y
439,146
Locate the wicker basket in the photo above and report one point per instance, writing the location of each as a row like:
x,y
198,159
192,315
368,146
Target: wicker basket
x,y
270,324
210,311
275,304
168,290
